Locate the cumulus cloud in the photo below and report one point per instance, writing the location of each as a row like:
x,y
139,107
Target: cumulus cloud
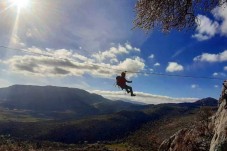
x,y
113,52
137,49
61,53
81,58
41,65
151,56
151,70
132,65
142,97
128,46
220,13
114,60
215,74
62,62
207,57
157,64
206,28
173,67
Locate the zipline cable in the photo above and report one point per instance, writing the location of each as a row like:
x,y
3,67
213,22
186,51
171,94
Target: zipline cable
x,y
182,76
137,72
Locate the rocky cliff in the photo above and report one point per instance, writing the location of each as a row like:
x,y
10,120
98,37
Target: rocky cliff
x,y
219,120
209,137
194,139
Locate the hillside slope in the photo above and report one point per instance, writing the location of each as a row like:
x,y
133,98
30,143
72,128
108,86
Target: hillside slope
x,y
212,136
54,101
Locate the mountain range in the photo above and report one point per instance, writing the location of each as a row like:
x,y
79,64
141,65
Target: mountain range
x,y
72,115
47,99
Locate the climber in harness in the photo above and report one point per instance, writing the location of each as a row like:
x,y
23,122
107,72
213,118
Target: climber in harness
x,y
121,82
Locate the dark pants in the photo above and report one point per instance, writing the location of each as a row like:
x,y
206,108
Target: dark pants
x,y
128,89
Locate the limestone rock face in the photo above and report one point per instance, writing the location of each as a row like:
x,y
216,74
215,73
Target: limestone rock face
x,y
219,140
186,140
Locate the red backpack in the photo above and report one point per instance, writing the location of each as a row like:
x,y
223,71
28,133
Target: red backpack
x,y
120,82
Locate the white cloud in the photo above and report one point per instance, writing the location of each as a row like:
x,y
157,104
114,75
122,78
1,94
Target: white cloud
x,y
61,53
151,70
37,50
133,65
174,66
220,13
206,28
157,64
82,58
142,97
128,46
113,52
215,74
207,57
193,86
223,56
62,62
151,56
137,49
219,74
114,60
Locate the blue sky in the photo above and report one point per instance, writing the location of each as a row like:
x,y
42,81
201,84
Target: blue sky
x,y
86,43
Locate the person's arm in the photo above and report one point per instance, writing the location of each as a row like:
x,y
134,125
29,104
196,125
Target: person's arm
x,y
128,81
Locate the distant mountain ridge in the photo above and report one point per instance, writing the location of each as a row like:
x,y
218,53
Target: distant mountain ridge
x,y
60,99
80,102
52,98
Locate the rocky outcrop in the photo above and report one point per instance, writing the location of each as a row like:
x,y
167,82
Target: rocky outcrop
x,y
187,140
212,138
219,140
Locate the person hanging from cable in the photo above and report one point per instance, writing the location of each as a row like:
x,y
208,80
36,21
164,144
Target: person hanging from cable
x,y
121,82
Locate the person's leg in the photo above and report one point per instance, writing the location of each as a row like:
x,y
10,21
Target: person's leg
x,y
129,89
126,89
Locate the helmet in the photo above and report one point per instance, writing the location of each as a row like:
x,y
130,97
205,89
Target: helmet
x,y
123,74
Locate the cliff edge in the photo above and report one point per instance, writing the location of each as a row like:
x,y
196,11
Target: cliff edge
x,y
219,121
207,134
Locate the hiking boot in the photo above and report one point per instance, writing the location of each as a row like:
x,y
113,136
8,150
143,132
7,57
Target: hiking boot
x,y
133,95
